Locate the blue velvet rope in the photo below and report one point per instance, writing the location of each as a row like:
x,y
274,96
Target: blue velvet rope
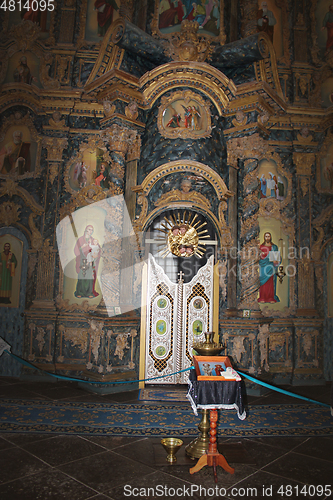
x,y
252,379
62,377
277,389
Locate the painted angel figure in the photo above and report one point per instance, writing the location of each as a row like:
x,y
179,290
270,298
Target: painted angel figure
x,y
195,118
80,174
188,116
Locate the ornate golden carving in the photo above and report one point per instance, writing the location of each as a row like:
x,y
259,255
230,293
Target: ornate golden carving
x,y
194,168
223,207
142,201
187,45
55,147
78,337
108,107
10,187
56,122
183,196
131,110
304,137
182,236
25,34
122,344
65,306
201,76
246,147
9,213
119,138
187,166
63,68
46,60
240,119
304,162
195,105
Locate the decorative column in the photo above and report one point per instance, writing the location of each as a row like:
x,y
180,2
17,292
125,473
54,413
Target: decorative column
x,y
68,11
131,245
306,293
47,253
249,9
247,151
232,223
113,283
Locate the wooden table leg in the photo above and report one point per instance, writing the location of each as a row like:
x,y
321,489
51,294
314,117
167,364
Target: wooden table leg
x,y
212,458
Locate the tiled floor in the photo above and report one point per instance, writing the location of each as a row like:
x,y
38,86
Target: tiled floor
x,y
48,467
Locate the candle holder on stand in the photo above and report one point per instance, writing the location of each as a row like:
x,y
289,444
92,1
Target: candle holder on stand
x,y
199,446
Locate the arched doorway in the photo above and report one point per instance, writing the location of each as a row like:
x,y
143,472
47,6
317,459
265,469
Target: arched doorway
x,y
179,295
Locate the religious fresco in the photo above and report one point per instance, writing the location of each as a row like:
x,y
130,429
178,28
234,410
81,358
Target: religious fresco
x,y
91,166
324,183
184,114
170,14
273,294
100,16
272,183
11,252
80,248
23,68
18,152
324,27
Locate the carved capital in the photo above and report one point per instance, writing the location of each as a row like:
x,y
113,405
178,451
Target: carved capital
x,y
120,139
55,147
245,148
304,162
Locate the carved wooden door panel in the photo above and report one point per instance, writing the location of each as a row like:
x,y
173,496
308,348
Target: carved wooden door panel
x,y
178,314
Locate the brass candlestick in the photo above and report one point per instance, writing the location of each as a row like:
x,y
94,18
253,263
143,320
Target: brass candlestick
x,y
200,445
171,446
208,347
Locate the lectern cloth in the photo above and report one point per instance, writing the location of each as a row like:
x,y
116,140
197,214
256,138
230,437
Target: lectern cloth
x,y
209,395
